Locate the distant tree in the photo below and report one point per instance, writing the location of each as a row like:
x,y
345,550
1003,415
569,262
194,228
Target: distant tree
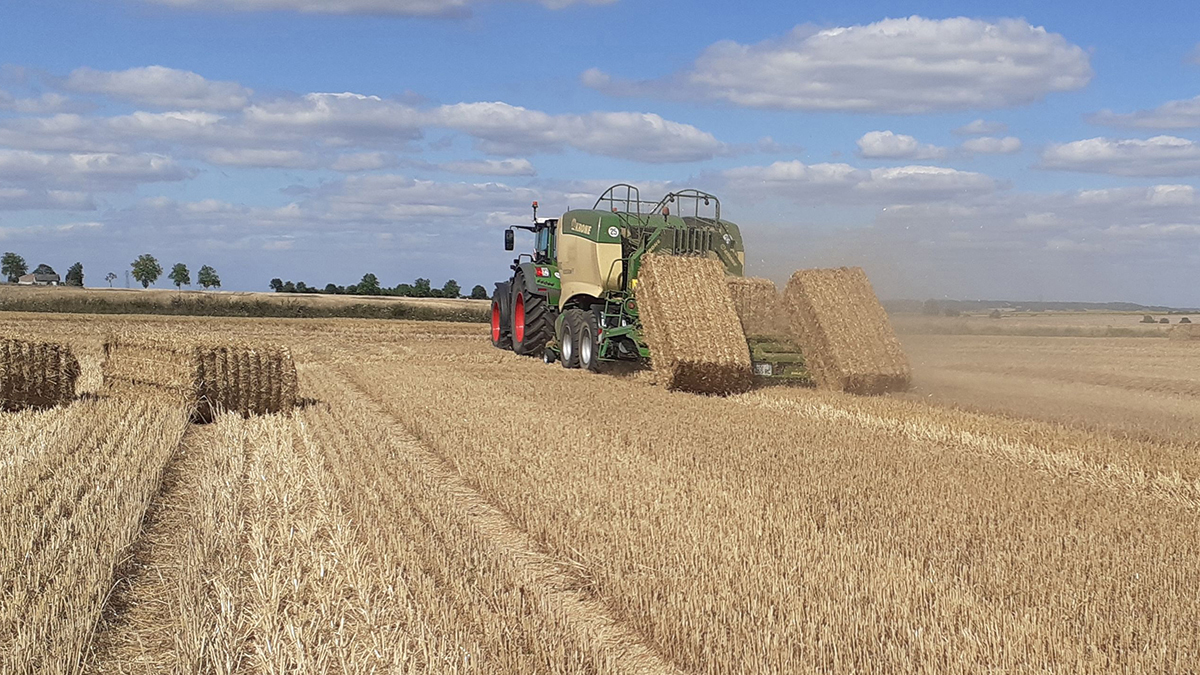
x,y
451,289
331,289
996,314
302,287
479,293
75,275
950,311
352,289
369,285
208,278
44,269
931,308
13,266
421,288
146,269
110,277
288,287
277,285
403,290
180,275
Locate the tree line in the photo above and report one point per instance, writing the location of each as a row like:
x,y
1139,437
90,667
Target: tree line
x,y
145,269
369,285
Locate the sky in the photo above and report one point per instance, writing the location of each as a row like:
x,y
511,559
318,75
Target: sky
x,y
1050,151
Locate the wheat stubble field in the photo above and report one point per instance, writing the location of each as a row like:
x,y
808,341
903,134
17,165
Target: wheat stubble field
x,y
436,505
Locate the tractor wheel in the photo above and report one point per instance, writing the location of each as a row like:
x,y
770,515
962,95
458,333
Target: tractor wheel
x,y
589,342
501,339
530,320
570,338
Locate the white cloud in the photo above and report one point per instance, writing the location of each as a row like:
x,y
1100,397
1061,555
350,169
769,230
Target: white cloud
x,y
160,87
888,145
492,167
990,145
844,184
1183,114
912,65
18,198
261,158
981,127
1158,156
416,8
362,161
46,103
92,170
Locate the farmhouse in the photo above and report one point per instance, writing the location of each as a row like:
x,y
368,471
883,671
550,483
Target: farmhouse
x,y
37,279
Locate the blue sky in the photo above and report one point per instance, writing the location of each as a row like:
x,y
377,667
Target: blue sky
x,y
968,150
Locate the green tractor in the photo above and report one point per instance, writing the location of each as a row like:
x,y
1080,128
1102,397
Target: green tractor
x,y
573,300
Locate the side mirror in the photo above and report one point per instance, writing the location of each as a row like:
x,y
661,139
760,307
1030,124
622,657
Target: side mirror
x,y
509,242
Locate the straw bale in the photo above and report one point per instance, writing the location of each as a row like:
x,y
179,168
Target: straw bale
x,y
758,306
844,333
691,325
36,374
1185,331
241,377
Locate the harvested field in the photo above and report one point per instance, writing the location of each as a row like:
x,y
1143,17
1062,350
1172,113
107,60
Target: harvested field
x,y
36,374
844,333
758,306
388,527
1185,332
691,326
247,378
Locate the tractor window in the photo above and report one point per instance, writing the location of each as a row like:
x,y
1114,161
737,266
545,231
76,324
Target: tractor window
x,y
545,244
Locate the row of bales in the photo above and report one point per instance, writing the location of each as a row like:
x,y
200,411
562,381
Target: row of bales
x,y
207,377
696,322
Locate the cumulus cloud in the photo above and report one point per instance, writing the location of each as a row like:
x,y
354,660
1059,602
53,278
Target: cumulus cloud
x,y
92,170
160,87
1183,114
261,158
904,66
362,161
844,184
1157,156
888,145
19,198
49,102
981,127
492,167
416,8
990,145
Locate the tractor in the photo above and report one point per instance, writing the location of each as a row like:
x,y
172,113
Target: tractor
x,y
573,299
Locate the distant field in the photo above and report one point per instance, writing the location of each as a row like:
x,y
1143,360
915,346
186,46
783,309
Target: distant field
x,y
1040,324
233,303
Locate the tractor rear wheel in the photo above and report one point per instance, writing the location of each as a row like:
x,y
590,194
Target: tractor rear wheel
x,y
570,338
530,320
589,342
501,339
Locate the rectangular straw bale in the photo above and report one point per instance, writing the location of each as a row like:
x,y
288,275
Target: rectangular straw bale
x,y
844,333
241,377
1185,332
36,374
691,325
757,302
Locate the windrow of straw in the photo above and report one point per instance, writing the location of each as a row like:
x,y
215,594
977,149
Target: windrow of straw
x,y
36,374
691,325
844,332
246,378
758,306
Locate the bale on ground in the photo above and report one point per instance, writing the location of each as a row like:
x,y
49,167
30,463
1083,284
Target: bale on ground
x,y
36,374
758,306
1185,331
691,326
240,377
844,332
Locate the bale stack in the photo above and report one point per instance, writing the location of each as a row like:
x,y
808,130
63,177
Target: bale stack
x,y
691,325
246,378
758,306
36,374
844,332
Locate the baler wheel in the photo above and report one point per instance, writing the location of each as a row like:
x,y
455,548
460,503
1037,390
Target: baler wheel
x,y
589,342
570,338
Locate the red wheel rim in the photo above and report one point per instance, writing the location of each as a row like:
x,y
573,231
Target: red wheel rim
x,y
519,318
495,321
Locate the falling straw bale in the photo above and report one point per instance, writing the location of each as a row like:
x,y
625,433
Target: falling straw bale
x,y
758,306
844,333
691,325
239,377
36,374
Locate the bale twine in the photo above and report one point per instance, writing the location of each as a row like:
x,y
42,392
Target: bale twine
x,y
844,332
36,374
238,377
691,326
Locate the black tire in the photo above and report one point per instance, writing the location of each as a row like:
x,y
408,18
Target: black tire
x,y
570,338
501,335
530,320
589,342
